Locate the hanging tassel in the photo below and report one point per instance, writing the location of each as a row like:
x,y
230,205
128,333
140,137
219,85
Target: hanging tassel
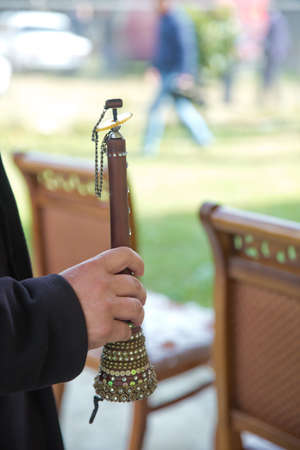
x,y
97,399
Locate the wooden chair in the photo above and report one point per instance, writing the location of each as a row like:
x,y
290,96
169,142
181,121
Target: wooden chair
x,y
69,225
257,329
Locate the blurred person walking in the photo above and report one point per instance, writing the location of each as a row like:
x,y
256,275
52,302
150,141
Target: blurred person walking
x,y
175,62
275,49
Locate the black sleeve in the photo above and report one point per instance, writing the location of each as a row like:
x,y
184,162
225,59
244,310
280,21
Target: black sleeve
x,y
43,337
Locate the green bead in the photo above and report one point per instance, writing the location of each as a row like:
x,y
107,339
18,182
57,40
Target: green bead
x,y
110,383
132,383
133,372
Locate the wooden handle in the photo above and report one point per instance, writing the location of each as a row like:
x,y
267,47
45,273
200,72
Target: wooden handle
x,y
117,172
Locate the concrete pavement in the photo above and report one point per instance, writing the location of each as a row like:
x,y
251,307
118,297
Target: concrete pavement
x,y
188,425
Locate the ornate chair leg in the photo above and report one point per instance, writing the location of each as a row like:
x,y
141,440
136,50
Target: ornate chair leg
x,y
58,390
139,424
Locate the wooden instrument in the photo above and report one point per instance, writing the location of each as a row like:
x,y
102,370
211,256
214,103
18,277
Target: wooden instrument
x,y
125,372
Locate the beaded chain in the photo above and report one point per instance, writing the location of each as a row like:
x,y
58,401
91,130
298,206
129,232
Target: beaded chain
x,y
99,164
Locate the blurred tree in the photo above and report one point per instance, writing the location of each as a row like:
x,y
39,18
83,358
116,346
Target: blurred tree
x,y
217,35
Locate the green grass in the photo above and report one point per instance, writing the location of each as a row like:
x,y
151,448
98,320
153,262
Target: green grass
x,y
253,164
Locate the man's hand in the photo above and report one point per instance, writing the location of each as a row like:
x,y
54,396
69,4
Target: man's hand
x,y
185,81
152,76
107,297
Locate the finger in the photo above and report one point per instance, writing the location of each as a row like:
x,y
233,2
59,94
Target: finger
x,y
118,259
127,308
120,331
129,286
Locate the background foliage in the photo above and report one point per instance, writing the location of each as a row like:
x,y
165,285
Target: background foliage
x,y
217,34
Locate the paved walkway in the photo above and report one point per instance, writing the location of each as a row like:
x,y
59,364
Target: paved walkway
x,y
188,425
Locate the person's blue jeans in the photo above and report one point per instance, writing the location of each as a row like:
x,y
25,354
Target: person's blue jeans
x,y
186,111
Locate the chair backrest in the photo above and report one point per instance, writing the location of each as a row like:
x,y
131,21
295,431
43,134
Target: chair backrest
x,y
70,224
257,340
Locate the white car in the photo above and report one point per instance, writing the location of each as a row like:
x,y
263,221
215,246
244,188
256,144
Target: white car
x,y
39,40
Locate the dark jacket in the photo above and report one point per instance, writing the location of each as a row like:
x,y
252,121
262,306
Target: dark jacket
x,y
43,339
176,46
